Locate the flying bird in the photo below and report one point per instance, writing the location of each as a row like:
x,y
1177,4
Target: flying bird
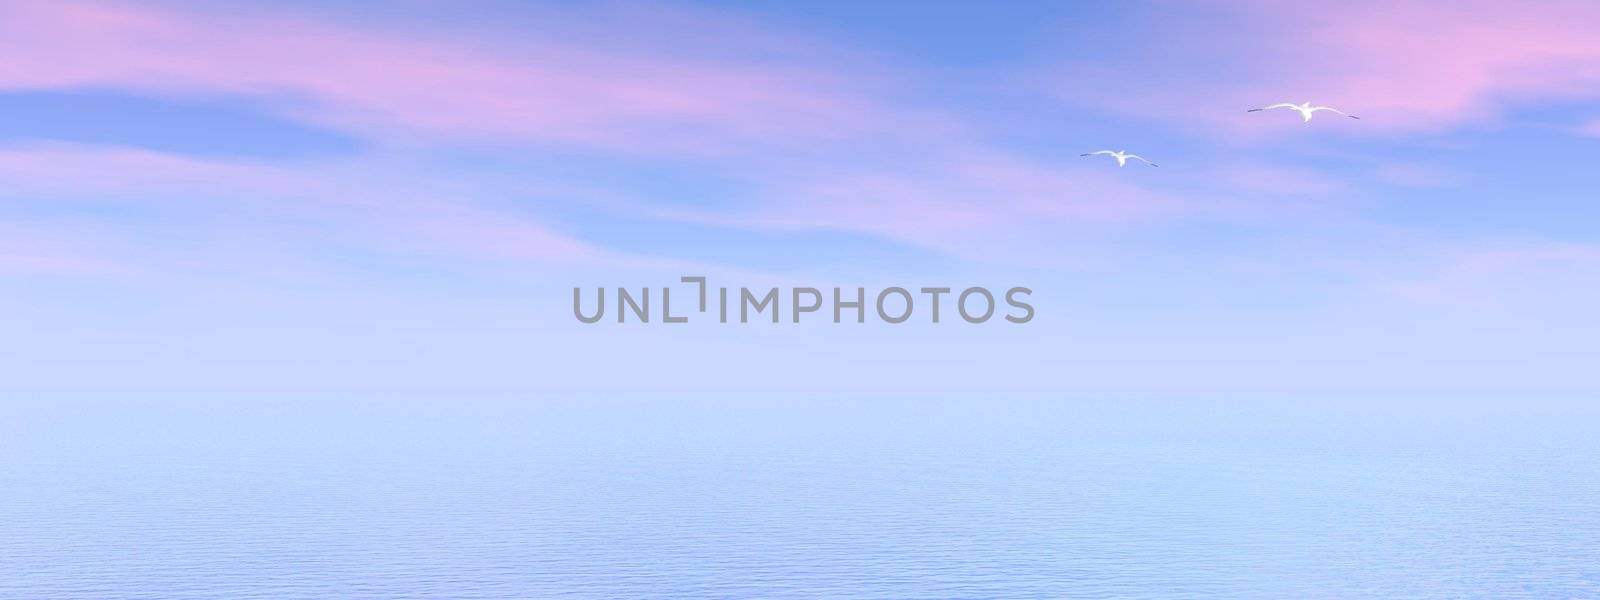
x,y
1122,157
1305,109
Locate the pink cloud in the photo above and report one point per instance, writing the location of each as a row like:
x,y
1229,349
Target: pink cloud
x,y
258,210
391,82
981,207
1429,64
1418,175
1541,279
30,252
1404,66
1278,180
929,183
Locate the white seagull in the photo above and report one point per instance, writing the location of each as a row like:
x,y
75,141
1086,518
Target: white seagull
x,y
1304,108
1122,157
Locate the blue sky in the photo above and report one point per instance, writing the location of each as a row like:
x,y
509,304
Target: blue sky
x,y
208,201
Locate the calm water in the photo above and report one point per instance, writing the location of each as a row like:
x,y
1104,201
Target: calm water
x,y
899,499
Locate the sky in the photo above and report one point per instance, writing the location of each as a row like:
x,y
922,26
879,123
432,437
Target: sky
x,y
244,202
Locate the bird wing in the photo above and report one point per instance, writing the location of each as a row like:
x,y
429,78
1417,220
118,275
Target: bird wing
x,y
1278,105
1098,152
1317,108
1146,160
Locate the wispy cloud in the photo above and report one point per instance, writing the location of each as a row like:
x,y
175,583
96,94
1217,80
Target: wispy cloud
x,y
389,83
817,138
1279,180
822,144
1426,65
1540,280
30,251
1409,66
136,207
979,208
1418,175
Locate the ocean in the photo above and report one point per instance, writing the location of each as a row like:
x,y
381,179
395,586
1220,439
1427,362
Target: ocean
x,y
859,498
